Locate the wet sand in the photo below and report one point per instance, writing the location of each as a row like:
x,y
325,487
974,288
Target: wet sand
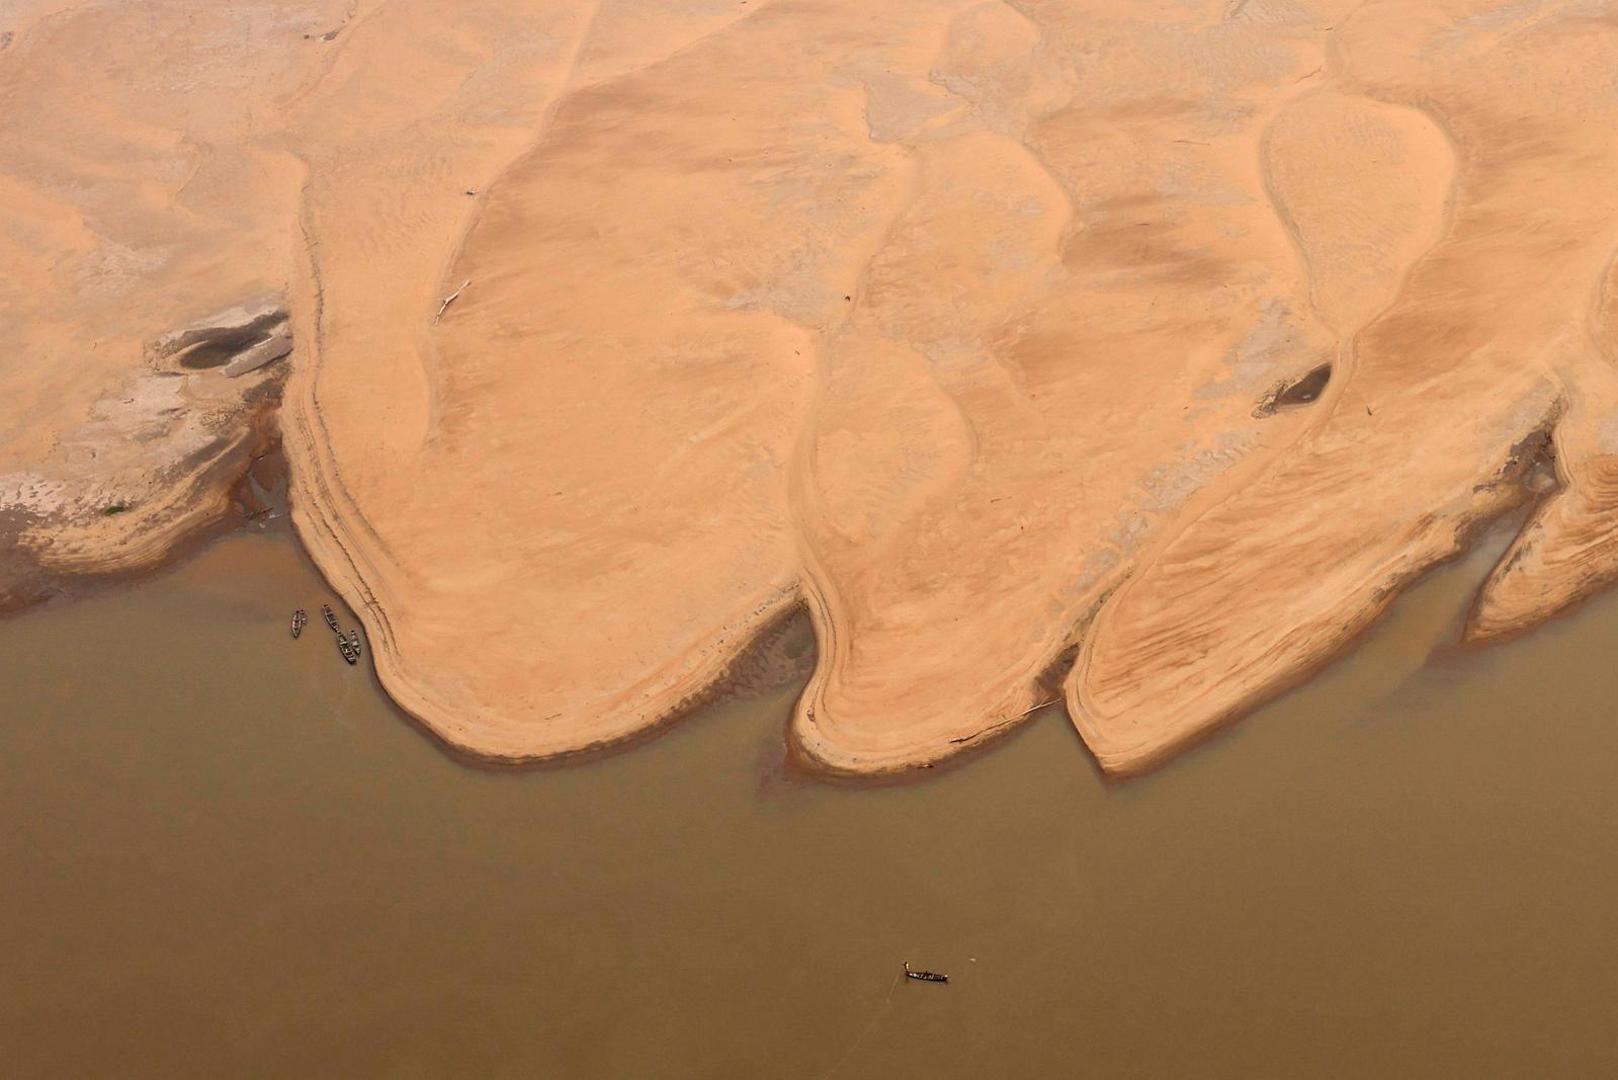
x,y
225,854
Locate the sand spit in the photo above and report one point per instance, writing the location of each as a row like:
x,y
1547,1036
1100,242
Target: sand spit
x,y
1127,353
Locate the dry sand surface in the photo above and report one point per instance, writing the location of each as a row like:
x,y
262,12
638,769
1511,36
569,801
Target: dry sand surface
x,y
1129,352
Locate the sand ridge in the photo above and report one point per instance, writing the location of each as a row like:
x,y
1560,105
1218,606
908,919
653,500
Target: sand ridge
x,y
1128,354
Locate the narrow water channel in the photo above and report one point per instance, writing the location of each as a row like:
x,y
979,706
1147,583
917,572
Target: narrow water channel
x,y
224,853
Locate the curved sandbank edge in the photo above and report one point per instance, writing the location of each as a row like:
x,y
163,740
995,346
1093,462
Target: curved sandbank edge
x,y
331,529
1205,718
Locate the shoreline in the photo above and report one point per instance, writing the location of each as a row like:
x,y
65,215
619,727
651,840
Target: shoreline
x,y
613,361
761,664
174,525
1351,820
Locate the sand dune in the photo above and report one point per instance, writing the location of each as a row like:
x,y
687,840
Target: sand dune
x,y
1111,351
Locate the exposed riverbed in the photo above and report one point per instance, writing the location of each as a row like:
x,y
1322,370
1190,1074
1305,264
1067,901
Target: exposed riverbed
x,y
225,853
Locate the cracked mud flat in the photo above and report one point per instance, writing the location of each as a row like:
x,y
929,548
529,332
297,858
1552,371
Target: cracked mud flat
x,y
1128,353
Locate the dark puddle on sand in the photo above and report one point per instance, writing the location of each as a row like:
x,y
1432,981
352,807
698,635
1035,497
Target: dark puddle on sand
x,y
224,854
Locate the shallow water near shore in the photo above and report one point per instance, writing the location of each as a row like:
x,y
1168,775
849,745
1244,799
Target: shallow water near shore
x,y
225,853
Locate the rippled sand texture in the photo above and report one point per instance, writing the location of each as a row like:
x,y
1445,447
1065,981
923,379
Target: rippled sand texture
x,y
1130,352
972,324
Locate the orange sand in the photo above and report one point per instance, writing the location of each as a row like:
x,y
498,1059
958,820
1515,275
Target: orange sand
x,y
983,330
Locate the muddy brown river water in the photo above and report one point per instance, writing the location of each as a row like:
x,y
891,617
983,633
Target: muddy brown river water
x,y
224,853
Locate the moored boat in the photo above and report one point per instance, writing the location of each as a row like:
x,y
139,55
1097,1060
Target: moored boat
x,y
331,619
299,621
346,647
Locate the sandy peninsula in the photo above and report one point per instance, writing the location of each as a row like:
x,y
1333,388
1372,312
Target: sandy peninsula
x,y
1124,354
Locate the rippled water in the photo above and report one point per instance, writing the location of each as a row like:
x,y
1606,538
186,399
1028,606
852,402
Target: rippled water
x,y
224,853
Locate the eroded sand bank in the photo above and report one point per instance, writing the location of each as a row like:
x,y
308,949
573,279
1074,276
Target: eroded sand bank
x,y
1126,352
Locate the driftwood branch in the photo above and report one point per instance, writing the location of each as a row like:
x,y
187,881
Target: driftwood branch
x,y
450,299
1003,724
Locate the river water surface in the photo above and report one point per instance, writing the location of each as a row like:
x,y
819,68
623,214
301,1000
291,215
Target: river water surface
x,y
224,853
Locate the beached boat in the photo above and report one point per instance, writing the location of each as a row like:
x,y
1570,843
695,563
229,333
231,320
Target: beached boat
x,y
924,976
331,619
299,621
